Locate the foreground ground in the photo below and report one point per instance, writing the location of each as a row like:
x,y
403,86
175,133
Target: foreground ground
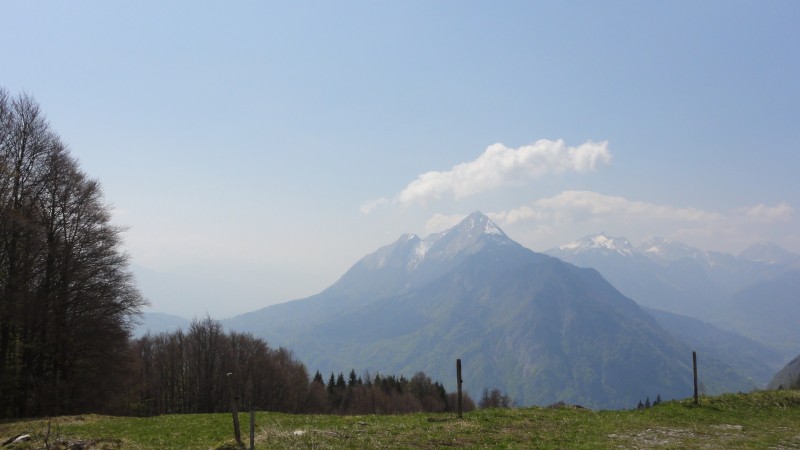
x,y
760,420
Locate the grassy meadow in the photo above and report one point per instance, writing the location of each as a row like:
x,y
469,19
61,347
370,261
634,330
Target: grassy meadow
x,y
757,420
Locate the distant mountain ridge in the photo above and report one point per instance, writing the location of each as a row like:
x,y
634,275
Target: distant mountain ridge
x,y
669,250
768,311
718,288
755,360
527,323
650,274
156,322
599,242
770,253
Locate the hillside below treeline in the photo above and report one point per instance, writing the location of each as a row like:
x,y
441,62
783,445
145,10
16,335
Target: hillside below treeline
x,y
529,324
757,420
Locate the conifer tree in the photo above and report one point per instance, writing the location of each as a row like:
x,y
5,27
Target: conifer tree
x,y
331,383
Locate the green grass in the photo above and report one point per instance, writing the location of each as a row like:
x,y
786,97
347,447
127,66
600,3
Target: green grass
x,y
757,420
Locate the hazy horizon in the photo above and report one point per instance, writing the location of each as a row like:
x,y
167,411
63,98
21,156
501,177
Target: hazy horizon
x,y
268,147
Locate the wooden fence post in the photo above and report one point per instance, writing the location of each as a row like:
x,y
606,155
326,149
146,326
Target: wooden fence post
x,y
459,381
694,369
234,411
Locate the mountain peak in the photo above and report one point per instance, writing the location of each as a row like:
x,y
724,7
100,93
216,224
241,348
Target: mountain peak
x,y
769,253
468,236
480,223
667,249
412,260
600,242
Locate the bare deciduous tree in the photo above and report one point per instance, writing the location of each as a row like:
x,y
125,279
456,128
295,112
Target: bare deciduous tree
x,y
495,399
188,372
67,299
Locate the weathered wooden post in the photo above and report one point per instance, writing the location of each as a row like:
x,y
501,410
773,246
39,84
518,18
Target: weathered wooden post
x,y
459,381
234,411
252,428
694,368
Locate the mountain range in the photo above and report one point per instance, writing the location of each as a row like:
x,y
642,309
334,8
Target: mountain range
x,y
538,328
753,359
754,294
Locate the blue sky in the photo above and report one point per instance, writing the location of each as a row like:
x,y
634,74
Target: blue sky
x,y
258,149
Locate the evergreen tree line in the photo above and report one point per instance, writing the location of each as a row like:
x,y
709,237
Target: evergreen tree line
x,y
382,394
647,403
202,369
66,296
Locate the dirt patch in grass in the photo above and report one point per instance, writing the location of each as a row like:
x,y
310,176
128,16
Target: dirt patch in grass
x,y
715,436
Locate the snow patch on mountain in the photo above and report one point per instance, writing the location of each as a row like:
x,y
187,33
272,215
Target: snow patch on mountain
x,y
491,228
669,250
410,237
599,242
653,249
469,232
419,253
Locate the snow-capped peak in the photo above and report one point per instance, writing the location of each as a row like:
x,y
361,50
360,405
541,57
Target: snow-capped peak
x,y
655,246
409,252
667,249
599,242
466,235
479,222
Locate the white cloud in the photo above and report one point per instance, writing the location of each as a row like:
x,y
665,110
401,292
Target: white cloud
x,y
572,206
769,214
516,215
370,206
502,166
555,220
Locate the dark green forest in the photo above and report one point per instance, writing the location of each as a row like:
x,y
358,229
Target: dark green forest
x,y
68,303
